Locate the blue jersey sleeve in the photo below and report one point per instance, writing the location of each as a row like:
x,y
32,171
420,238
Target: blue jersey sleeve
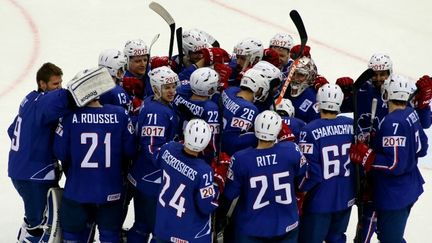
x,y
205,197
185,74
61,141
309,148
233,184
52,105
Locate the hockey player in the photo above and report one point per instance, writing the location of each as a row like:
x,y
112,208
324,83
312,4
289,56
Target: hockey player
x,y
157,125
301,91
247,52
273,76
115,62
32,166
187,196
239,111
399,142
286,110
325,143
92,142
282,43
263,178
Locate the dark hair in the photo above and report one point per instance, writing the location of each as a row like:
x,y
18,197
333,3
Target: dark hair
x,y
46,71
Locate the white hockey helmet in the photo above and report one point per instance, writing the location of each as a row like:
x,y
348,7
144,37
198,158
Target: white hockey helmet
x,y
161,76
330,97
197,135
397,87
307,67
267,125
381,62
250,47
255,80
194,41
286,106
210,38
282,40
204,81
268,70
135,47
113,60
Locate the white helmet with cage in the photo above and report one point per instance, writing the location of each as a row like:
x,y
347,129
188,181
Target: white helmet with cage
x,y
113,60
204,81
250,47
306,67
282,40
330,97
397,87
267,125
381,62
255,80
194,41
161,76
286,106
268,70
197,135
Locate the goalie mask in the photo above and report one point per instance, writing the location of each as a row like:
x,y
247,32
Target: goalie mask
x,y
204,81
267,125
303,77
197,135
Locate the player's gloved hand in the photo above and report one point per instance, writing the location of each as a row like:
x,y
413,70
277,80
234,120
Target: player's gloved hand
x,y
346,84
214,55
156,62
271,56
220,169
319,82
361,154
424,95
136,105
224,72
300,196
296,49
133,86
286,133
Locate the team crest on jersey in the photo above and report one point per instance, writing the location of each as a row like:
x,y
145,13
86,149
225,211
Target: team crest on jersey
x,y
59,130
305,105
131,128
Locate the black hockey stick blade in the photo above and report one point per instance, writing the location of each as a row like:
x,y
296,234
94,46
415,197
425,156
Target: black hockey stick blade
x,y
365,76
179,36
170,21
298,22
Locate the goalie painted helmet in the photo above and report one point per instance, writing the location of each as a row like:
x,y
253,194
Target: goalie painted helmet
x,y
113,60
197,135
204,81
397,87
268,70
135,47
330,97
306,67
255,80
194,41
267,125
161,76
381,62
250,47
286,106
282,40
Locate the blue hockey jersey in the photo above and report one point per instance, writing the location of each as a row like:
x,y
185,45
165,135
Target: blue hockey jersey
x,y
330,181
264,181
238,118
31,155
295,124
116,96
305,104
399,142
157,125
186,197
92,143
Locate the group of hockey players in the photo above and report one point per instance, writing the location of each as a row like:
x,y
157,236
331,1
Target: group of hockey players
x,y
205,153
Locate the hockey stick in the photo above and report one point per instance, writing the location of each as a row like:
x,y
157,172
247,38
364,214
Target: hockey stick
x,y
362,79
179,36
170,21
155,38
295,16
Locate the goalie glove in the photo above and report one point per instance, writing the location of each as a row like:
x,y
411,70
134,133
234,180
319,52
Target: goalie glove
x,y
89,84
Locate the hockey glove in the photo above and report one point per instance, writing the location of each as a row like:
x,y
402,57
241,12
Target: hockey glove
x,y
424,96
361,154
136,105
271,56
224,72
214,55
296,49
221,169
319,82
133,86
346,84
286,134
156,62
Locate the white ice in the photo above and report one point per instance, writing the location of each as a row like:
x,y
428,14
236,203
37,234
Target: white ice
x,y
342,34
